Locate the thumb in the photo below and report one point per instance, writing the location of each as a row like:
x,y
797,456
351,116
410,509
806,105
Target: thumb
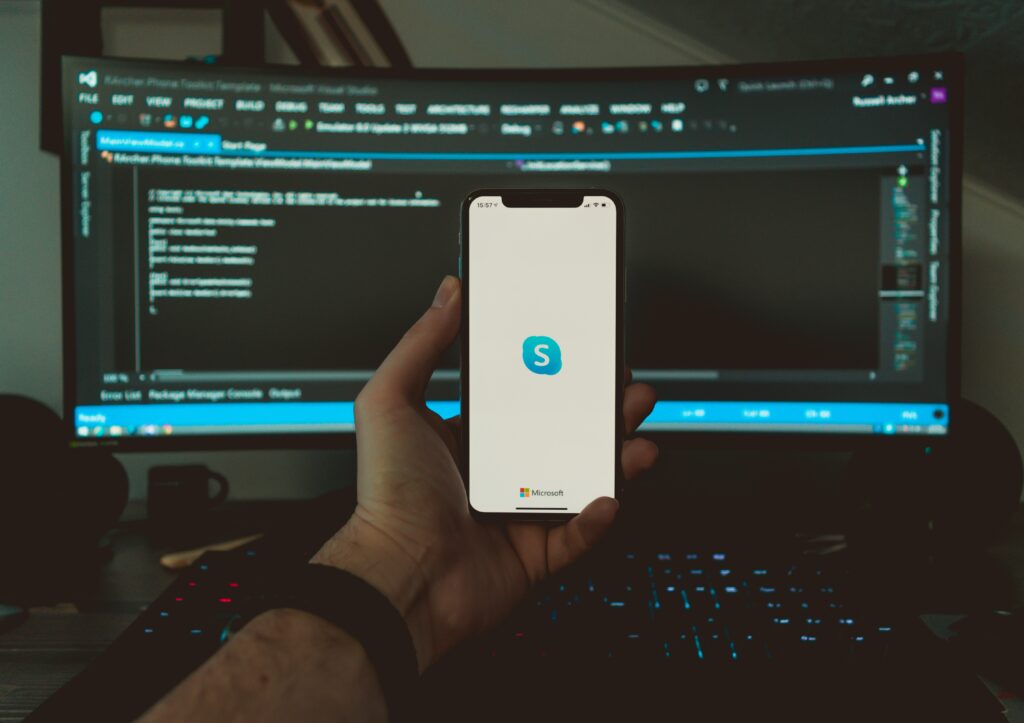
x,y
407,369
568,542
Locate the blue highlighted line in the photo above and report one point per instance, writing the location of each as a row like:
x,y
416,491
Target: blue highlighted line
x,y
114,140
132,418
868,417
241,417
609,156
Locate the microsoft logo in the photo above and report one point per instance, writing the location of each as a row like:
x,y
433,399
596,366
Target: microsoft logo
x,y
534,492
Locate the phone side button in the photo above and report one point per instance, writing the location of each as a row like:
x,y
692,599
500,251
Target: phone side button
x,y
460,267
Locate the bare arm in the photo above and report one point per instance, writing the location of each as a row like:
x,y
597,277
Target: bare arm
x,y
291,665
411,537
284,665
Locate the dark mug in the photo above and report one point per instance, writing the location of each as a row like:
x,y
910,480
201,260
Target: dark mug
x,y
182,491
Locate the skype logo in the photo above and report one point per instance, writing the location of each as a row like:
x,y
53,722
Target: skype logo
x,y
542,355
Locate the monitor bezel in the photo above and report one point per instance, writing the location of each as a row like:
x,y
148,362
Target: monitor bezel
x,y
952,65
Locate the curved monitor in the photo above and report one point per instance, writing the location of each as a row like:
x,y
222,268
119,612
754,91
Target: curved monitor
x,y
243,246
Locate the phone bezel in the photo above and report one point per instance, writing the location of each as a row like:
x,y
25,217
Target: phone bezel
x,y
540,198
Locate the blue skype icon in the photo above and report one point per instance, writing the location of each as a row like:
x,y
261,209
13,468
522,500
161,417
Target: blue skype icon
x,y
542,355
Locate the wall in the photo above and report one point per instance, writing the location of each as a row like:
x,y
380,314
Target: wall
x,y
30,295
993,337
438,33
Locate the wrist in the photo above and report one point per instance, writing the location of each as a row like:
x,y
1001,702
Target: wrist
x,y
284,665
306,655
290,635
373,556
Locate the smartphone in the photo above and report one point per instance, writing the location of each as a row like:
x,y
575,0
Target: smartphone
x,y
542,350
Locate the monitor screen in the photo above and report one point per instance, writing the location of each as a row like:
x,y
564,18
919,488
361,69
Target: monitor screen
x,y
243,247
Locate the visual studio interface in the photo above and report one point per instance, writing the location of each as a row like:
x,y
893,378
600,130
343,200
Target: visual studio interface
x,y
249,246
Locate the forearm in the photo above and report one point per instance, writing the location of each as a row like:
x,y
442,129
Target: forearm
x,y
284,665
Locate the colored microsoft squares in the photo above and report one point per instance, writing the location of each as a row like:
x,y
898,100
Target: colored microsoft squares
x,y
524,491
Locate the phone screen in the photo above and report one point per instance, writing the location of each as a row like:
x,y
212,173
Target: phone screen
x,y
542,376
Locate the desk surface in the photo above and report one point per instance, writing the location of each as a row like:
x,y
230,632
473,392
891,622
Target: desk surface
x,y
57,642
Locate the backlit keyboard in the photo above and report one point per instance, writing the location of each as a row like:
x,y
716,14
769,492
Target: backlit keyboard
x,y
696,607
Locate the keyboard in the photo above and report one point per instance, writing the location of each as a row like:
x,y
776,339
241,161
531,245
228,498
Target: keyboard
x,y
664,607
694,607
687,607
693,634
621,633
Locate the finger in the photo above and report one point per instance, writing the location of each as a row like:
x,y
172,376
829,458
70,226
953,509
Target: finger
x,y
637,402
528,539
454,424
407,369
453,428
638,456
567,542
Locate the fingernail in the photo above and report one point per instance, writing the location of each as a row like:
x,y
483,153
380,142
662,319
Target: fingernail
x,y
444,292
609,511
608,518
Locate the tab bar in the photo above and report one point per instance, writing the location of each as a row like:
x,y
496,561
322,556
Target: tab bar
x,y
147,142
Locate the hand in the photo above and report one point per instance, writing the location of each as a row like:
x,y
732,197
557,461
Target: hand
x,y
412,535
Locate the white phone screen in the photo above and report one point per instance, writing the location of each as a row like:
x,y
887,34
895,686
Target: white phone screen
x,y
542,374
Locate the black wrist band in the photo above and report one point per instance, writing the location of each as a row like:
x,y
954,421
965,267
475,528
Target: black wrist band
x,y
358,608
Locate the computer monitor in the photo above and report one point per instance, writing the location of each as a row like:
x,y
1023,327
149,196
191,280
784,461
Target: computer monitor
x,y
244,246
